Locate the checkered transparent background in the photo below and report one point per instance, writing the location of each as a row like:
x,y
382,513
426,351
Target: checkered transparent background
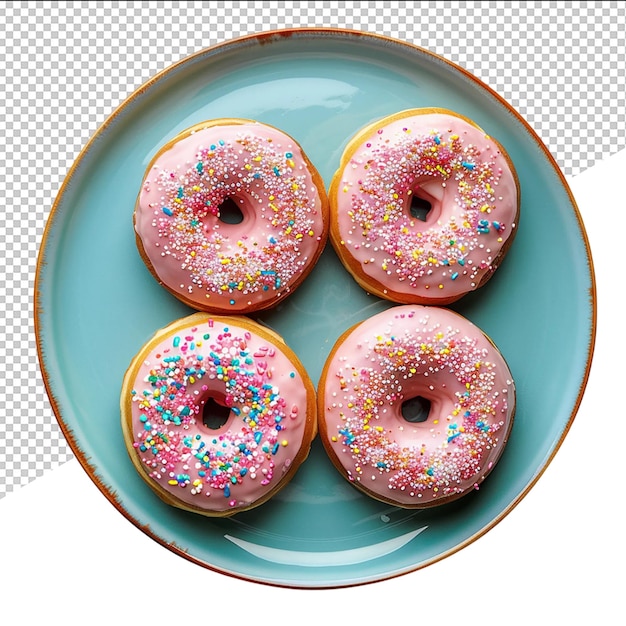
x,y
66,66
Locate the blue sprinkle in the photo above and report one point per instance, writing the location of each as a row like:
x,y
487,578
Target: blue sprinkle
x,y
454,276
199,167
467,165
226,491
167,211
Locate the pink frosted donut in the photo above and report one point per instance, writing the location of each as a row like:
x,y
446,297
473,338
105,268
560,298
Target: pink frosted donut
x,y
415,406
424,207
231,216
217,414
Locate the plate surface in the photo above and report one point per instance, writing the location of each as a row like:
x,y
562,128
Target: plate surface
x,y
96,303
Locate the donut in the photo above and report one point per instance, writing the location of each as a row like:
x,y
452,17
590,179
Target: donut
x,y
217,413
231,216
415,406
424,207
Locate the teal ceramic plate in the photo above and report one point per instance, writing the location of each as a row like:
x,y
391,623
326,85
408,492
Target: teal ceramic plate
x,y
96,303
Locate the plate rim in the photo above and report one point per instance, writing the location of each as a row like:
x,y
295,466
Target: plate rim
x,y
260,38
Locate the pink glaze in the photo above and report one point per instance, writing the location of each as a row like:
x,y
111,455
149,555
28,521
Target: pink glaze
x,y
221,267
404,352
228,468
460,171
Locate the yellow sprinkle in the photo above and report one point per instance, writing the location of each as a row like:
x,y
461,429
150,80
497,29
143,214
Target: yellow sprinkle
x,y
172,482
283,443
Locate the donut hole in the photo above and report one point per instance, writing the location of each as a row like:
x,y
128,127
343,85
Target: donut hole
x,y
419,208
415,410
424,203
214,414
229,212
